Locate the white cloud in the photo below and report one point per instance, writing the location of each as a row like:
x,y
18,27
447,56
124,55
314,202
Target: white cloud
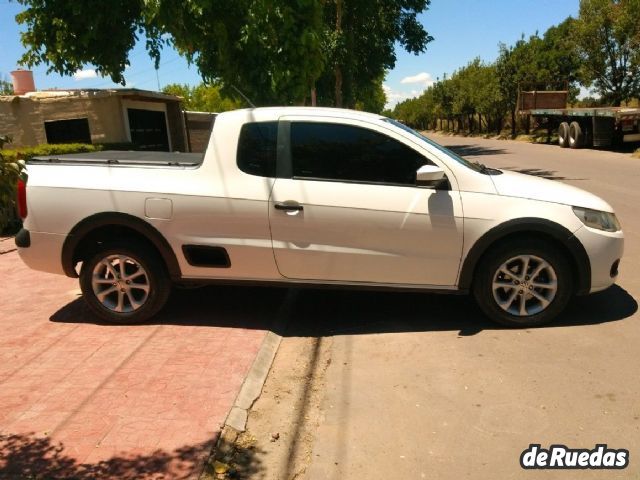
x,y
423,77
418,82
396,96
85,74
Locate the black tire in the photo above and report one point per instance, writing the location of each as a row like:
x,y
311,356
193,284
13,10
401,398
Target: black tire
x,y
155,278
576,137
489,266
563,135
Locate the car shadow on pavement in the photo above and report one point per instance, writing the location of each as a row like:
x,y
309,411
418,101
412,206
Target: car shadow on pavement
x,y
321,313
327,312
539,172
36,457
475,150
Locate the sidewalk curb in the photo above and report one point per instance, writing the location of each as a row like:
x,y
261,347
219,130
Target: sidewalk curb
x,y
251,388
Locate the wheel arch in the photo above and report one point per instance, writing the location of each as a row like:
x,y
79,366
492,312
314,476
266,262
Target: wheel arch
x,y
108,225
541,228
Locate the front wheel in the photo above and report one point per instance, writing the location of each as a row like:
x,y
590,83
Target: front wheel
x,y
124,283
523,283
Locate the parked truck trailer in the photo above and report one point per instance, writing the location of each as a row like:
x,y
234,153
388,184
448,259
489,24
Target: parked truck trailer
x,y
581,127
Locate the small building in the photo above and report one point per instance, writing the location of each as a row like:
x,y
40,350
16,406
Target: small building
x,y
148,120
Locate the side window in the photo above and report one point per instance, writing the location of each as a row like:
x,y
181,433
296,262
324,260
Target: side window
x,y
257,148
344,152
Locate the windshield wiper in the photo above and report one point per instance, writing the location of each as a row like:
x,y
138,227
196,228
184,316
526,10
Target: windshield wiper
x,y
483,168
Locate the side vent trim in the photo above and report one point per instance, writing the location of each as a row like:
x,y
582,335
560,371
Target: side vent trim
x,y
206,256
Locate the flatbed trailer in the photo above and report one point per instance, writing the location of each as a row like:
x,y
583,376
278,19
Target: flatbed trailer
x,y
591,127
579,127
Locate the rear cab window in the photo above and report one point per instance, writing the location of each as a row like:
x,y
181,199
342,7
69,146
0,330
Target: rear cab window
x,y
257,148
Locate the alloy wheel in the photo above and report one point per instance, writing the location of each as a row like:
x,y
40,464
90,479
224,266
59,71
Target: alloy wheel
x,y
524,285
120,283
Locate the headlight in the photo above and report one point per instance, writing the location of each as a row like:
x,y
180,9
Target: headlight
x,y
596,219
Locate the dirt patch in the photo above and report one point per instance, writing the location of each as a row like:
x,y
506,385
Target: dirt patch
x,y
280,429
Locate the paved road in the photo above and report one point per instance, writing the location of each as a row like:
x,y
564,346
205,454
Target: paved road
x,y
421,386
84,400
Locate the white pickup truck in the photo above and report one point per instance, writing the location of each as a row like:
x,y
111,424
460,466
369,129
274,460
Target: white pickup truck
x,y
314,196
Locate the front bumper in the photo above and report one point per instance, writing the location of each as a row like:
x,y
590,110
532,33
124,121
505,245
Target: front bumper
x,y
604,250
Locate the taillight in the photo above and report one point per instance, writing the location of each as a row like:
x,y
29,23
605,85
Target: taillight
x,y
22,199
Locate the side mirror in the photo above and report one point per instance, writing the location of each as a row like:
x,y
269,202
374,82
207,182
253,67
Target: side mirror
x,y
429,176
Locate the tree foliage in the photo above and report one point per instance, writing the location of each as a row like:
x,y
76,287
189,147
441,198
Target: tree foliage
x,y
608,34
359,41
471,97
480,95
371,97
275,51
203,98
6,88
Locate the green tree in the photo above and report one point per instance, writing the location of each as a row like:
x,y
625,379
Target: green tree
x,y
6,88
608,38
480,95
203,98
359,39
558,59
371,97
274,51
517,68
269,49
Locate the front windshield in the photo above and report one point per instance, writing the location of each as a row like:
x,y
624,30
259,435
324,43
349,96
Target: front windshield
x,y
474,166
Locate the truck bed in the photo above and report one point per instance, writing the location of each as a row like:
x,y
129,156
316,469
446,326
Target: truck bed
x,y
117,158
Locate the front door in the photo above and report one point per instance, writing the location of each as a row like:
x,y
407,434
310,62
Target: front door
x,y
350,211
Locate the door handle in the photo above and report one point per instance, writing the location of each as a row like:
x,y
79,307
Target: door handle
x,y
288,207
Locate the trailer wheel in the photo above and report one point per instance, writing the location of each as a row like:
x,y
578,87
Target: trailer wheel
x,y
563,135
576,137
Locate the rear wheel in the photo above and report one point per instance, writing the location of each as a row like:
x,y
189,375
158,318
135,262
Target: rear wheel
x,y
523,283
563,135
125,283
576,137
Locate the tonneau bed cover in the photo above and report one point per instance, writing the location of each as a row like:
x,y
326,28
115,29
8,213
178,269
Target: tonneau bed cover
x,y
117,157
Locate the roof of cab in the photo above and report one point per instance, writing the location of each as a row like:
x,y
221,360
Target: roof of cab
x,y
266,113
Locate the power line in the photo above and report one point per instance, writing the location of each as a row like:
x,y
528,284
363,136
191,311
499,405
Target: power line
x,y
134,75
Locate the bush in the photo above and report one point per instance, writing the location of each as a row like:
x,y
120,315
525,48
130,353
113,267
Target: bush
x,y
26,153
12,167
10,171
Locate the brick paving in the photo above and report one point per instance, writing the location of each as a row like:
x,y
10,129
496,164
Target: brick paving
x,y
83,399
7,245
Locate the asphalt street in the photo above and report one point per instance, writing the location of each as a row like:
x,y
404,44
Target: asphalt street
x,y
423,386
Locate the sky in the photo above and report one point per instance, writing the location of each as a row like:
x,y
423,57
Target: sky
x,y
462,30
